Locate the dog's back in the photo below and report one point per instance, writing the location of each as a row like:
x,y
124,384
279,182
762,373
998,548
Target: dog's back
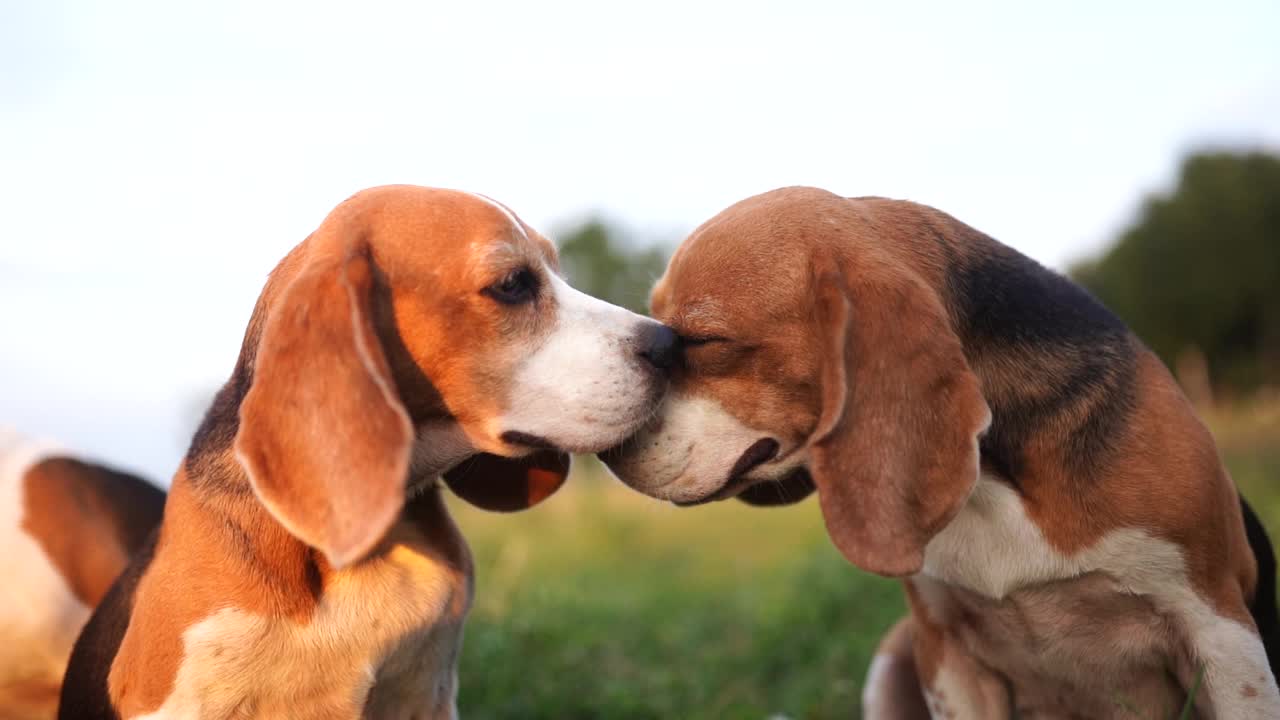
x,y
1263,606
67,528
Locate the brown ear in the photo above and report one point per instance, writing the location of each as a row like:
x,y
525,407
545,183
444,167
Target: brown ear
x,y
323,436
895,454
789,490
502,484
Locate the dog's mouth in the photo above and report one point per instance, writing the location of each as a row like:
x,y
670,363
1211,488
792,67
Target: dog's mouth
x,y
790,488
760,452
527,440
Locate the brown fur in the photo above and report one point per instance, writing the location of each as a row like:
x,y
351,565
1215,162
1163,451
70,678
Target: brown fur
x,y
88,519
883,501
356,442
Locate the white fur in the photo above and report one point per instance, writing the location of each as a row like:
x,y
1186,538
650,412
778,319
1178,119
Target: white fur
x,y
403,615
692,452
585,388
511,217
992,548
40,616
948,698
874,696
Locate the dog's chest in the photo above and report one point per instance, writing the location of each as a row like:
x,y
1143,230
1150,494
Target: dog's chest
x,y
382,642
993,548
1093,630
1082,644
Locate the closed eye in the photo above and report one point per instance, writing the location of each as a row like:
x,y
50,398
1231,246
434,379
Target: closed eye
x,y
696,340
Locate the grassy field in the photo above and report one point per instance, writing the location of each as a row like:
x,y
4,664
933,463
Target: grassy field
x,y
604,603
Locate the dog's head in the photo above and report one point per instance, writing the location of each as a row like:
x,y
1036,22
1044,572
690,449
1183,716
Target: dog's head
x,y
414,329
816,354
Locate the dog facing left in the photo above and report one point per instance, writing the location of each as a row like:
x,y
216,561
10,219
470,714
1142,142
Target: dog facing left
x,y
306,566
67,529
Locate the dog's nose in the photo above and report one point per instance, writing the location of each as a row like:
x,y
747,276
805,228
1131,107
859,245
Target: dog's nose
x,y
659,345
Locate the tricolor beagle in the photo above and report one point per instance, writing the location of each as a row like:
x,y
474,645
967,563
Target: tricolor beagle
x,y
306,566
1070,542
67,529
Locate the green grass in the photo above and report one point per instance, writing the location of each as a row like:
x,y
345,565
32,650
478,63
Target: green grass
x,y
604,603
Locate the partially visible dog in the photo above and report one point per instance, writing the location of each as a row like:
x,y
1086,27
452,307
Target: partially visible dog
x,y
67,529
306,566
1071,543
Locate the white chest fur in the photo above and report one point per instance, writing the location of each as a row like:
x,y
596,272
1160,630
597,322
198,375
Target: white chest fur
x,y
994,550
382,643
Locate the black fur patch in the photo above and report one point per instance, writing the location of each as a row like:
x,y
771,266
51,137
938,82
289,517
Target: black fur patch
x,y
84,687
141,505
1263,606
1006,306
205,460
1005,296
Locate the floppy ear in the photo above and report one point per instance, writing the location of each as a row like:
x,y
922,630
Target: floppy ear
x,y
895,453
502,484
323,436
789,490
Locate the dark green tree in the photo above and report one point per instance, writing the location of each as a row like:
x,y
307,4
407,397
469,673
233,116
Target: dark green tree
x,y
1199,269
599,261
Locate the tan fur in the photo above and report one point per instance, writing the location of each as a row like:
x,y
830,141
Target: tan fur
x,y
29,699
333,474
409,597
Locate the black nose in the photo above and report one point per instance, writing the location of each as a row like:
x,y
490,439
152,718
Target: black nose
x,y
659,345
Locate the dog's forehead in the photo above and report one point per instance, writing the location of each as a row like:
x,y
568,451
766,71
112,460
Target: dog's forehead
x,y
500,240
737,266
443,228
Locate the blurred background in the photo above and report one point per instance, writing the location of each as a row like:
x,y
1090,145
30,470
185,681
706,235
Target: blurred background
x,y
158,158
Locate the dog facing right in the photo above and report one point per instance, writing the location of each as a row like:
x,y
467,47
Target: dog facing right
x,y
306,565
1070,542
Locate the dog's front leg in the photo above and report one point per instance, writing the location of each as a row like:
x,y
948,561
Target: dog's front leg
x,y
955,685
960,689
1227,659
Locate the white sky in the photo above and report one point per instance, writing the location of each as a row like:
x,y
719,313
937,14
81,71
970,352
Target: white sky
x,y
157,158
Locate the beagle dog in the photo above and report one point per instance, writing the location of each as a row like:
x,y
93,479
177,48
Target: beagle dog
x,y
306,566
1070,542
67,529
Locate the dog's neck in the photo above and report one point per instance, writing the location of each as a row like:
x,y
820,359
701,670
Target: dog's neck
x,y
439,445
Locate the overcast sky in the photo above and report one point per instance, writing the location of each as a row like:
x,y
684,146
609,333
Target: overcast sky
x,y
157,158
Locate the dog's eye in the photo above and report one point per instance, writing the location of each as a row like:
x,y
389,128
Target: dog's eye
x,y
696,340
518,287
